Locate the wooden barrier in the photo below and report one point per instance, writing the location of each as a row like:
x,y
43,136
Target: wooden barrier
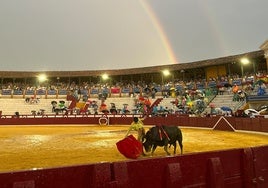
x,y
94,175
217,122
240,168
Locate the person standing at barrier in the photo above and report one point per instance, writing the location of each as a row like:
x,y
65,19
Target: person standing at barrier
x,y
137,125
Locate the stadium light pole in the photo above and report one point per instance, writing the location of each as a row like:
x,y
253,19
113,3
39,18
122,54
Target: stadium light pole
x,y
41,78
58,81
182,72
165,73
105,77
243,61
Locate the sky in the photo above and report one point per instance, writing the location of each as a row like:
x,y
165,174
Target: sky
x,y
77,35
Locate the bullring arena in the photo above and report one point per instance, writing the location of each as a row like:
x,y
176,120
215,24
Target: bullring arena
x,y
54,134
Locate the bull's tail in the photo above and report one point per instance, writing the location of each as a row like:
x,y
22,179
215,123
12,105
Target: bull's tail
x,y
179,139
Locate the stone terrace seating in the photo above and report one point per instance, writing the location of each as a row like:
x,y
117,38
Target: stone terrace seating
x,y
9,106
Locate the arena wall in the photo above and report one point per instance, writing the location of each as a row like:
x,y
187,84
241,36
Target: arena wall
x,y
245,168
258,124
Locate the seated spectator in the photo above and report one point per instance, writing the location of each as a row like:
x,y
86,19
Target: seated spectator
x,y
235,88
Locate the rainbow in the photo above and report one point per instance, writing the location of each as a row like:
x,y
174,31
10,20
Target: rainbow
x,y
216,33
160,30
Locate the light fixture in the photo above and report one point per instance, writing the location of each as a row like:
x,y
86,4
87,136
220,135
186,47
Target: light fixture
x,y
105,76
42,77
166,72
244,61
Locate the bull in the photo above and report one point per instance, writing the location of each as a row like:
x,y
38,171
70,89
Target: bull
x,y
162,136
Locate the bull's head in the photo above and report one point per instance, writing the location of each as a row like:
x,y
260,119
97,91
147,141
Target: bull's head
x,y
147,145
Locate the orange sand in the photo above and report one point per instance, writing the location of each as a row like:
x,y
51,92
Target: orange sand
x,y
31,147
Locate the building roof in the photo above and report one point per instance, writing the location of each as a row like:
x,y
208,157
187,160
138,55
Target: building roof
x,y
141,70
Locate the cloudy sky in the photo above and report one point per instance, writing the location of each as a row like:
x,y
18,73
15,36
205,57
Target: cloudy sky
x,y
45,35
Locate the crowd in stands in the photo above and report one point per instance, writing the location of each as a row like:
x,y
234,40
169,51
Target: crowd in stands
x,y
189,96
199,83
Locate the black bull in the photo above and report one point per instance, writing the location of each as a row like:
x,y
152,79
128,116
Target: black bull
x,y
162,136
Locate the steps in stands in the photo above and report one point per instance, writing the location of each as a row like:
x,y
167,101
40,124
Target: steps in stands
x,y
225,100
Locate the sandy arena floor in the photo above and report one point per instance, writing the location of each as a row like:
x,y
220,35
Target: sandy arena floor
x,y
31,147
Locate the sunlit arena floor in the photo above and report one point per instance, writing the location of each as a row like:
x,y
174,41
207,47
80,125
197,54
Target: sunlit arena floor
x,y
34,147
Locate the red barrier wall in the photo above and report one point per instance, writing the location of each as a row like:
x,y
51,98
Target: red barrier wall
x,y
222,123
94,175
260,164
237,168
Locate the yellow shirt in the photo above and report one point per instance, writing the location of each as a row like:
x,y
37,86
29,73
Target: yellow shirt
x,y
135,126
